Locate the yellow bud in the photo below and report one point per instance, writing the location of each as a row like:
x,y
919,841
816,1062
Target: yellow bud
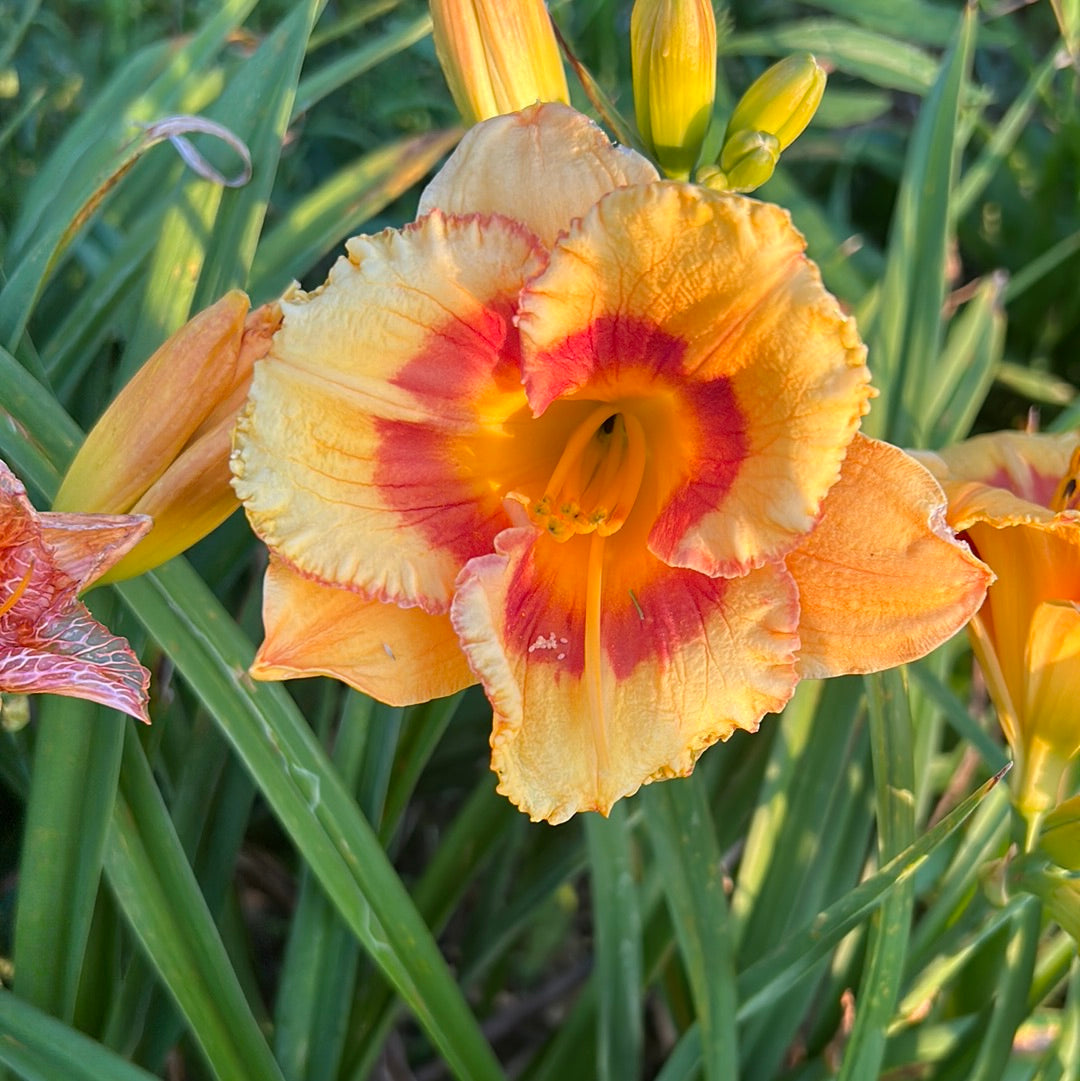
x,y
497,57
748,159
673,56
781,101
162,446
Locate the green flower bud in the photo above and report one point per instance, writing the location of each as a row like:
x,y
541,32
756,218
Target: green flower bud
x,y
782,101
673,54
748,159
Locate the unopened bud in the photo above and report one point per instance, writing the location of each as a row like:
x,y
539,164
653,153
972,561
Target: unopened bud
x,y
782,101
748,159
497,57
162,446
673,54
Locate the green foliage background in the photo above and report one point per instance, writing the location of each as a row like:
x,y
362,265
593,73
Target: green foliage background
x,y
297,884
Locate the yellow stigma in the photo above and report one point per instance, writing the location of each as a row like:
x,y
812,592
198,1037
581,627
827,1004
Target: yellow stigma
x,y
596,481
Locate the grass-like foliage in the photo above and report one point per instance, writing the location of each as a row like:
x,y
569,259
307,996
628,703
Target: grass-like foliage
x,y
293,883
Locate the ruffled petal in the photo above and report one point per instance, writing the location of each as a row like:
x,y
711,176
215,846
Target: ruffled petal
x,y
86,546
544,167
703,308
682,660
370,450
1027,465
400,656
882,579
72,654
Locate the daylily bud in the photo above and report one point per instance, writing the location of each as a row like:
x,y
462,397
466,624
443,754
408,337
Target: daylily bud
x,y
673,55
497,58
781,102
162,446
748,159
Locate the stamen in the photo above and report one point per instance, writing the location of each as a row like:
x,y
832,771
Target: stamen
x,y
598,476
20,589
1067,496
571,455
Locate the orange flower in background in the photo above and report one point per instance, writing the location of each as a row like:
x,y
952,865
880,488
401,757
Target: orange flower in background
x,y
1015,497
162,447
49,642
598,431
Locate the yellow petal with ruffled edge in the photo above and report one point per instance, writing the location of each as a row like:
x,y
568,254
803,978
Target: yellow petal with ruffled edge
x,y
678,661
710,290
401,656
1026,464
882,579
544,167
368,454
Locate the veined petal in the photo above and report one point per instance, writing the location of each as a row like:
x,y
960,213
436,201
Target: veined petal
x,y
48,640
543,166
86,546
703,304
368,454
400,656
882,579
72,654
681,660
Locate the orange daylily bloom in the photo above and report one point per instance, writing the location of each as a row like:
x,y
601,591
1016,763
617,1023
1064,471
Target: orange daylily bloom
x,y
1014,496
49,642
598,431
162,447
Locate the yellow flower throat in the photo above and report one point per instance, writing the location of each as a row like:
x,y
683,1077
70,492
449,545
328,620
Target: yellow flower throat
x,y
597,479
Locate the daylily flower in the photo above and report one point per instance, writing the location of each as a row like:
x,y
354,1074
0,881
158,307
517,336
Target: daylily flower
x,y
497,57
49,642
162,447
1015,497
598,431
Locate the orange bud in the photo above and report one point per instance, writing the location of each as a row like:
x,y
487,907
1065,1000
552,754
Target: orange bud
x,y
162,446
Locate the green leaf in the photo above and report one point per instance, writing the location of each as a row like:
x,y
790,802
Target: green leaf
x,y
618,946
894,783
76,765
41,1048
294,776
882,60
905,338
683,841
156,889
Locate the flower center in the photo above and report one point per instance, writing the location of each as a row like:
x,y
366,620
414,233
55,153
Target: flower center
x,y
1067,496
597,479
